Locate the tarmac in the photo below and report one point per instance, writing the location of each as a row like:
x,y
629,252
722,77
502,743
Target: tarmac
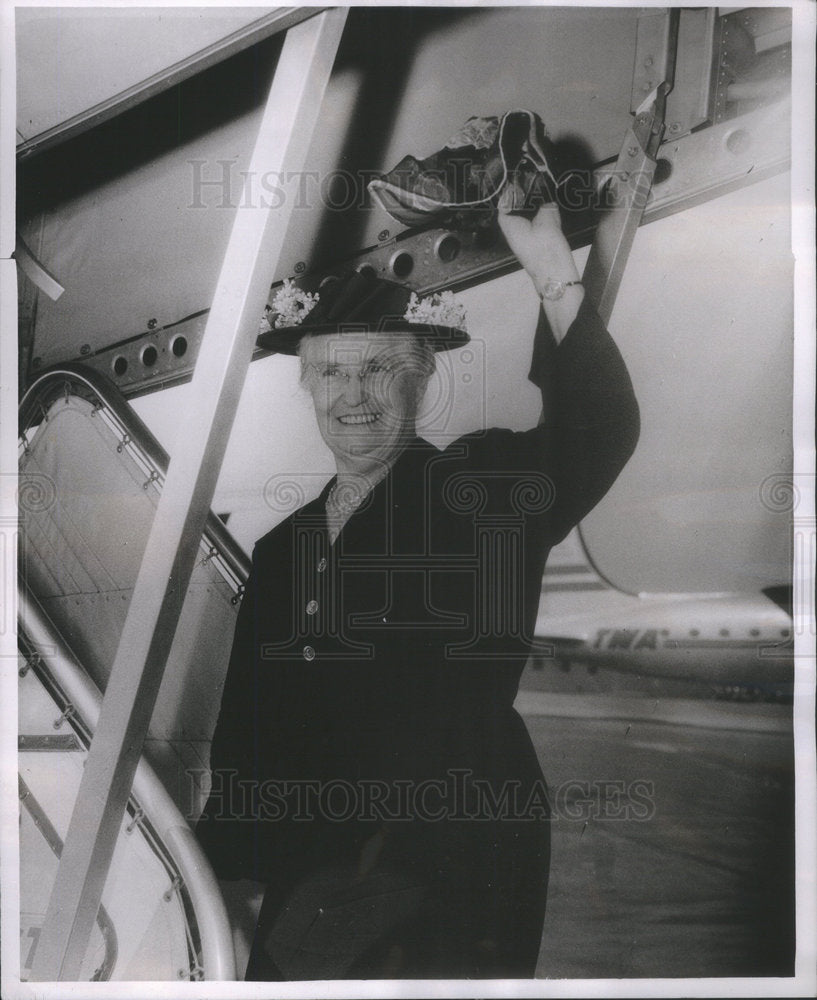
x,y
673,832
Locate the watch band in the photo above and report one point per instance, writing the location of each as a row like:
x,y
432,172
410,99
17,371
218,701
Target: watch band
x,y
554,290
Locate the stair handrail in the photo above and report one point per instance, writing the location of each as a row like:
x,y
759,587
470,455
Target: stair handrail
x,y
52,383
173,831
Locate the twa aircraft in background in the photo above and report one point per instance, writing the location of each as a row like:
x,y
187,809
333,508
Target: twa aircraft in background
x,y
740,644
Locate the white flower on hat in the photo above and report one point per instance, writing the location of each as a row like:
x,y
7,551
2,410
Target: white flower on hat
x,y
289,306
439,309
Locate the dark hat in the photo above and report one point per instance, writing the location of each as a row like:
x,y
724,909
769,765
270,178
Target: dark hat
x,y
361,302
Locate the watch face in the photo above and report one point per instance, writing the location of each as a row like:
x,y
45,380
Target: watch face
x,y
553,290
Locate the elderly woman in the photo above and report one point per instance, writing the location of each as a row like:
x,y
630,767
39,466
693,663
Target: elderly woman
x,y
368,764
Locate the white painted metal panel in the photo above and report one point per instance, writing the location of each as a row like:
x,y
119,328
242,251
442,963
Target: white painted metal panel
x,y
704,318
71,59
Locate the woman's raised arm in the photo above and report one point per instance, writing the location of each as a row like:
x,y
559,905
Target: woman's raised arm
x,y
591,414
541,248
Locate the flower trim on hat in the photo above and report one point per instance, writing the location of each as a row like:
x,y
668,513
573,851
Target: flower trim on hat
x,y
439,309
289,307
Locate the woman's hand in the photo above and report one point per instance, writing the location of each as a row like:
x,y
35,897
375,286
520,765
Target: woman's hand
x,y
541,248
525,236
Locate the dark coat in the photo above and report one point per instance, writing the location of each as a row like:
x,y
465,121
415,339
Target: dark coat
x,y
395,654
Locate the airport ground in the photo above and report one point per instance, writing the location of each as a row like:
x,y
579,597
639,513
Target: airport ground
x,y
673,842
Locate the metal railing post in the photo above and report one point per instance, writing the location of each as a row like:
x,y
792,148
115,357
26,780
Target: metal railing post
x,y
635,168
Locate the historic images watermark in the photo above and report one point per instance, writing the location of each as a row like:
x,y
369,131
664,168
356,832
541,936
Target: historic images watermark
x,y
35,493
221,184
459,795
783,494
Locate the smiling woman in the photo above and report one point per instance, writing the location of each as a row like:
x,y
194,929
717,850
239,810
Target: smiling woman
x,y
368,764
366,391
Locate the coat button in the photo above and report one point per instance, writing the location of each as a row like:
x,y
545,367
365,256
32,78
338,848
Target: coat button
x,y
321,565
309,653
312,607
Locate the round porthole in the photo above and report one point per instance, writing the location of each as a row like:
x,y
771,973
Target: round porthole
x,y
179,346
149,356
401,264
738,141
447,248
120,365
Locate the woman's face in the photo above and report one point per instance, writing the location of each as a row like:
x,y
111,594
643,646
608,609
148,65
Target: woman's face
x,y
366,389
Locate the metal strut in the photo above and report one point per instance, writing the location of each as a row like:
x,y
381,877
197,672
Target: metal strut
x,y
629,185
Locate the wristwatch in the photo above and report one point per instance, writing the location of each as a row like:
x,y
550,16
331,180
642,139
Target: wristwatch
x,y
554,290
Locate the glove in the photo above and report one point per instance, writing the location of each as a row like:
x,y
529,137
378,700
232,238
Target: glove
x,y
460,185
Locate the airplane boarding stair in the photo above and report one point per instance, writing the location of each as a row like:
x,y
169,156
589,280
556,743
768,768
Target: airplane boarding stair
x,y
161,915
86,459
